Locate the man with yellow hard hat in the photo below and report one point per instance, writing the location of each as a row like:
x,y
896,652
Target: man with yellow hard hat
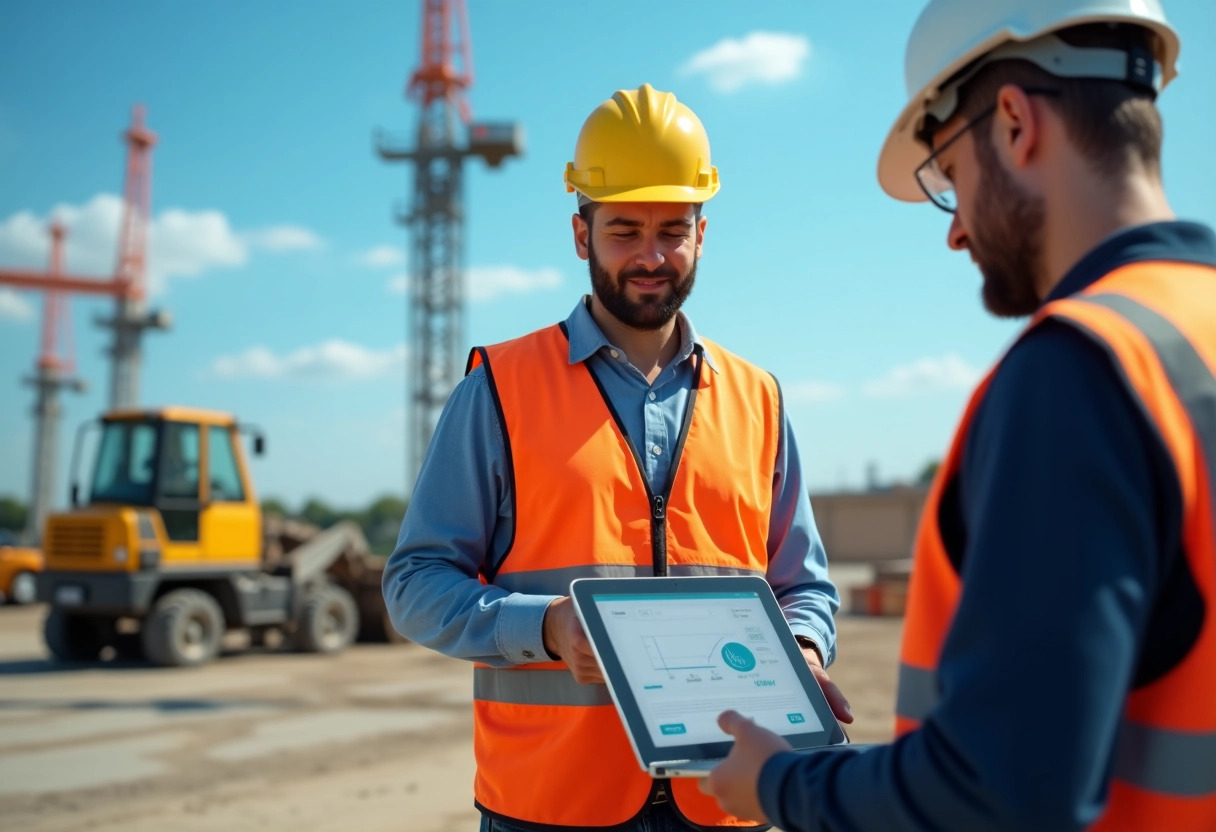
x,y
616,443
1058,669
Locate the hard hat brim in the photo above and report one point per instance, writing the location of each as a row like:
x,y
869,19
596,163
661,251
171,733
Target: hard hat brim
x,y
650,193
902,153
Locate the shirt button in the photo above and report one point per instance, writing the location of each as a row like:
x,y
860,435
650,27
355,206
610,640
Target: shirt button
x,y
528,654
651,395
614,353
656,450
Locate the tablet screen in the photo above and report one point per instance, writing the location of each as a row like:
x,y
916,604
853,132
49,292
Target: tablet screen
x,y
689,656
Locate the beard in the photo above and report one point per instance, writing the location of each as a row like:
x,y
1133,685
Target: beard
x,y
1006,238
655,309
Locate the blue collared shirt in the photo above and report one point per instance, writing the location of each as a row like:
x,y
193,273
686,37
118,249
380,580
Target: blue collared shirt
x,y
459,517
1066,516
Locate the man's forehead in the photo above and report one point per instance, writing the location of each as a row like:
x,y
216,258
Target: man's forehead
x,y
644,213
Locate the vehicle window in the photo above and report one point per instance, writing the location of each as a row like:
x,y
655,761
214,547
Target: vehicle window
x,y
126,462
222,468
180,461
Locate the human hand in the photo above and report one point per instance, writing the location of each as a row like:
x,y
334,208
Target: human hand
x,y
733,782
836,700
564,638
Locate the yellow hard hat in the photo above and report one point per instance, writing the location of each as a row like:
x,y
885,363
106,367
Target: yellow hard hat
x,y
642,146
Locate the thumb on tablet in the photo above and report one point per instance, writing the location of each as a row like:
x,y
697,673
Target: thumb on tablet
x,y
732,722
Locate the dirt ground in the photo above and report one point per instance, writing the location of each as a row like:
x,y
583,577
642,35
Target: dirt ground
x,y
379,738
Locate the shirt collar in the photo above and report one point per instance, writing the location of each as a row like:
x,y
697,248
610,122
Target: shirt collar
x,y
586,338
1186,242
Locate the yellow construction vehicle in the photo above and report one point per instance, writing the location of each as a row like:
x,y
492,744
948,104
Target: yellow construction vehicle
x,y
18,567
169,550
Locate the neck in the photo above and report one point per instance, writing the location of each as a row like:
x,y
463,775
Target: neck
x,y
1087,209
650,350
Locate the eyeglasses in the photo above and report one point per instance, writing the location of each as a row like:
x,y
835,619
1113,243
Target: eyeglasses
x,y
936,185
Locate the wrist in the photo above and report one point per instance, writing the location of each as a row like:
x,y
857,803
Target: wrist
x,y
806,641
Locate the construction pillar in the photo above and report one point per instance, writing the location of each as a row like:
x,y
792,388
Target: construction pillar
x,y
48,412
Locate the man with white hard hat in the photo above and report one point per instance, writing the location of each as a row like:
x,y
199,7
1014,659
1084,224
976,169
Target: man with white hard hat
x,y
1058,668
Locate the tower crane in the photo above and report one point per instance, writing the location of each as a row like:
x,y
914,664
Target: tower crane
x,y
435,215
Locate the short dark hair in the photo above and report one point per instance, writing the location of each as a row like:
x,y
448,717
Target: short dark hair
x,y
1110,122
587,211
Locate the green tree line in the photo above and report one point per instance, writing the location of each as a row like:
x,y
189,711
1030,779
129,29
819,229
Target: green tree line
x,y
380,521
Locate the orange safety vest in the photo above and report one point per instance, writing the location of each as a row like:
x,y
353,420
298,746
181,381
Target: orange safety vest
x,y
1157,320
549,750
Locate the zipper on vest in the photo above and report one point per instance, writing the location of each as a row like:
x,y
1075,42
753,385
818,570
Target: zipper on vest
x,y
658,524
658,502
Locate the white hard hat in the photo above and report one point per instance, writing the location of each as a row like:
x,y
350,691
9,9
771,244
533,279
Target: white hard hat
x,y
953,35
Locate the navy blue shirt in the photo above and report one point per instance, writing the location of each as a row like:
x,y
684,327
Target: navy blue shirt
x,y
1066,517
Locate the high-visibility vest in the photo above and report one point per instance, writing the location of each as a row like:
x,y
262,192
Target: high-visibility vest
x,y
549,750
1157,321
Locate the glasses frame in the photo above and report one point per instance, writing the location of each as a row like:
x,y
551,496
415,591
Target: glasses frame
x,y
931,161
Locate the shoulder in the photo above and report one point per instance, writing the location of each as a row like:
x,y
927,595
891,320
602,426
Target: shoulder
x,y
725,360
1061,393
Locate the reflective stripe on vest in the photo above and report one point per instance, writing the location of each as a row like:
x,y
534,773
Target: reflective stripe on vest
x,y
582,508
536,687
1174,762
1157,322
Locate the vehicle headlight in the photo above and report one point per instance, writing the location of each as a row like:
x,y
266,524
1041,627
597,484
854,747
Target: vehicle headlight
x,y
120,554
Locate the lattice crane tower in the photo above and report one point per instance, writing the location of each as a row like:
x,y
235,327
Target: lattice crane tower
x,y
436,212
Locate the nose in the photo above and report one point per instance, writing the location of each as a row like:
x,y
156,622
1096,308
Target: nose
x,y
956,236
650,255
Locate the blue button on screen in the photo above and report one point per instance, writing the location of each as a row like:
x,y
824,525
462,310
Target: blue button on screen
x,y
675,728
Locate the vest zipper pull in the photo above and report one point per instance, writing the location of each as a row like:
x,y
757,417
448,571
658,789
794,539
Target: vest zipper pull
x,y
660,511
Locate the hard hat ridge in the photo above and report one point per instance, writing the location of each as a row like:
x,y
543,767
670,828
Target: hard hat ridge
x,y
642,145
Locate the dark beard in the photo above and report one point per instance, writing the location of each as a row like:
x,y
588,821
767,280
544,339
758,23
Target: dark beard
x,y
1006,238
649,313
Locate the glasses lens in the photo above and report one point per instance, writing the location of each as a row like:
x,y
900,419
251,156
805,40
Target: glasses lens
x,y
937,186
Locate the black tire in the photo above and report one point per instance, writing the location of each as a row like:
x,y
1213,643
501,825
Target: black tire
x,y
75,638
329,621
184,629
24,589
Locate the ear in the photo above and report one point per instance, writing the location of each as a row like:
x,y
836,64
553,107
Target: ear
x,y
701,223
1017,126
582,234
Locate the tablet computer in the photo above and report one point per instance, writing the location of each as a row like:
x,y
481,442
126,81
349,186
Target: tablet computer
x,y
677,652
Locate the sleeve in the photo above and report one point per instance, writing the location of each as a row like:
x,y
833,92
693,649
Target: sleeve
x,y
798,567
1062,502
458,518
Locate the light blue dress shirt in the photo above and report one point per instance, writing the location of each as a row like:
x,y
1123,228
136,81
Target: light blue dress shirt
x,y
459,518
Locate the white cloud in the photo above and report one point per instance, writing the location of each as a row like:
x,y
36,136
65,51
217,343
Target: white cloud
x,y
814,391
927,375
757,58
332,359
489,282
284,238
381,257
180,243
13,307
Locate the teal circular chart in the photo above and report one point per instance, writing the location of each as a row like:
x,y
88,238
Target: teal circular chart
x,y
738,657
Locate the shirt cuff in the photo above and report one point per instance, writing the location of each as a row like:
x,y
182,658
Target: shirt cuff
x,y
521,630
769,786
821,643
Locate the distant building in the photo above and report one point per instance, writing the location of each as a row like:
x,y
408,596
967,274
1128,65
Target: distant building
x,y
869,526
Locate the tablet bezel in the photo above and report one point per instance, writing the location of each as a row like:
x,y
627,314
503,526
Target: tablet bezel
x,y
582,591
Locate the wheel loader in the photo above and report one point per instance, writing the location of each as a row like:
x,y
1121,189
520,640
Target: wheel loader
x,y
168,550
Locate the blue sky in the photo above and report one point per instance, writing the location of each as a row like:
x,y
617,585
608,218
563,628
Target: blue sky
x,y
275,252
